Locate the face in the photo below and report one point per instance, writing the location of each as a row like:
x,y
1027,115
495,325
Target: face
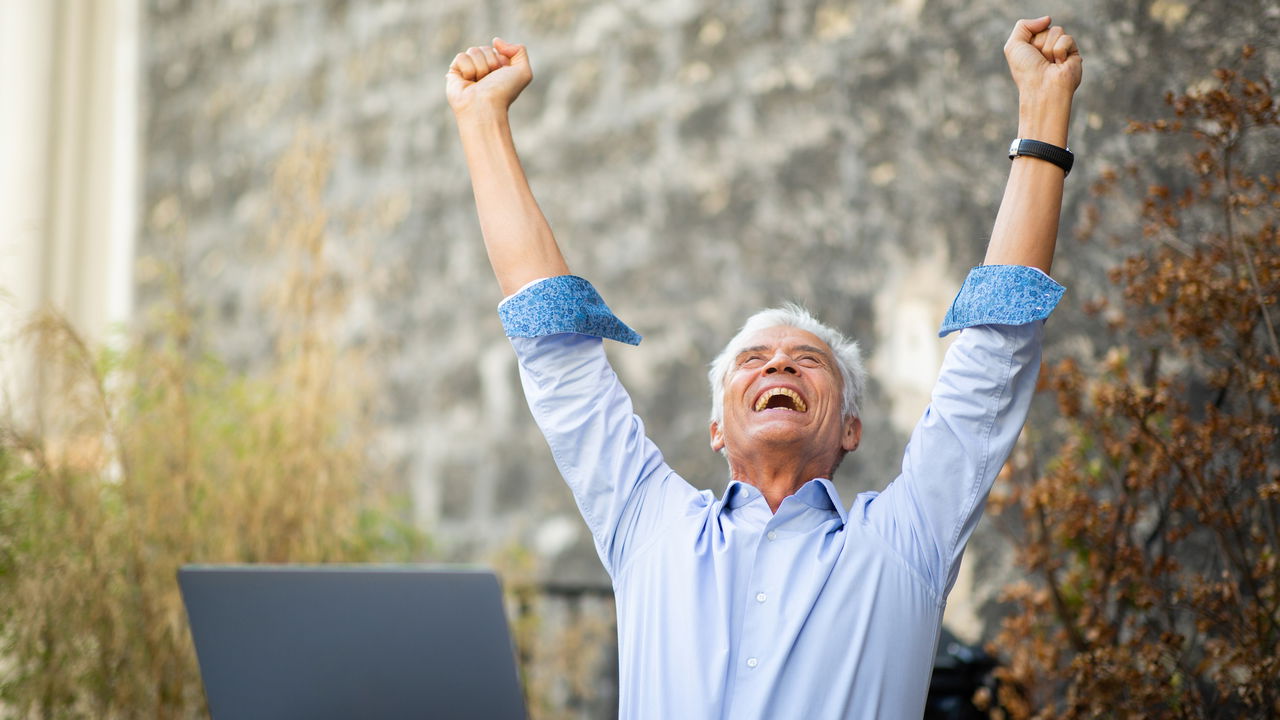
x,y
784,392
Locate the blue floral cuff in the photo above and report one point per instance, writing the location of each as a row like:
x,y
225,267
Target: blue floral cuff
x,y
562,304
1002,295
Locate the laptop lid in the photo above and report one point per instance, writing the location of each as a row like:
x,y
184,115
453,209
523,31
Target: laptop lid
x,y
319,642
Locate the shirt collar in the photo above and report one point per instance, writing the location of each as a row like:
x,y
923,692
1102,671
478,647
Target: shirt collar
x,y
737,494
818,493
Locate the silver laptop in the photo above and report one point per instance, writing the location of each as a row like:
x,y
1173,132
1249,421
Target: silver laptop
x,y
319,642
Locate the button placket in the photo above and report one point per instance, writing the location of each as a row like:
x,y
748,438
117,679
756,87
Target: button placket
x,y
758,589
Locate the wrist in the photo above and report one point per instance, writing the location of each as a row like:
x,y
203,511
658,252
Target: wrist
x,y
1044,119
481,115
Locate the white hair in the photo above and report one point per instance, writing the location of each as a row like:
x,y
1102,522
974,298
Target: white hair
x,y
847,356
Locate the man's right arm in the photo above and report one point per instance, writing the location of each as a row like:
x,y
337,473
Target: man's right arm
x,y
624,489
481,85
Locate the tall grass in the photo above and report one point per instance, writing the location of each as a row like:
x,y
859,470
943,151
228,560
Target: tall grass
x,y
142,459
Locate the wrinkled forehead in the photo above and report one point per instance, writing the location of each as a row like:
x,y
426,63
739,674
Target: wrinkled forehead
x,y
782,337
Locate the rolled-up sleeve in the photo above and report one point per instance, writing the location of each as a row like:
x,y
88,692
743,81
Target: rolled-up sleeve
x,y
562,304
624,489
976,411
1002,295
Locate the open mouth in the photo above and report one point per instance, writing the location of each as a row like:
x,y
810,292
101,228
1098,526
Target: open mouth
x,y
780,397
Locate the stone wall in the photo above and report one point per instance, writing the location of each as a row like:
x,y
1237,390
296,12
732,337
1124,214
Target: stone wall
x,y
697,160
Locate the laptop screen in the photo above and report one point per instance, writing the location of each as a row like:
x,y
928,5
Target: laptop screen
x,y
341,641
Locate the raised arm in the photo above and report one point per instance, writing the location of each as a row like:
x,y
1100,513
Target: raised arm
x,y
1046,67
481,85
624,489
989,375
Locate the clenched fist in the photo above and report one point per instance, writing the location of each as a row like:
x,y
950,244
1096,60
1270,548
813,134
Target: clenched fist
x,y
487,78
1044,60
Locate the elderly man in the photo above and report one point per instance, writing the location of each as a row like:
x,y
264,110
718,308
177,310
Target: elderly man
x,y
773,601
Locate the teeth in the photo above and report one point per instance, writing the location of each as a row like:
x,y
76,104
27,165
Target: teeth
x,y
763,401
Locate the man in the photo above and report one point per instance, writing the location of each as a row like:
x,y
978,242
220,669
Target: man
x,y
773,601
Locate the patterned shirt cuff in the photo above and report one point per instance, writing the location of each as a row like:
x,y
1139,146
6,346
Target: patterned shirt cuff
x,y
1002,295
562,304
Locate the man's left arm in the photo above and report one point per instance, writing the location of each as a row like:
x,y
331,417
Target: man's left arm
x,y
1046,67
984,391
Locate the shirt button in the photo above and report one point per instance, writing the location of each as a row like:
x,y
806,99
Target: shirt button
x,y
760,597
752,662
773,535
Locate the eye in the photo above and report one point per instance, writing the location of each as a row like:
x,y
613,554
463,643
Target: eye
x,y
751,361
810,361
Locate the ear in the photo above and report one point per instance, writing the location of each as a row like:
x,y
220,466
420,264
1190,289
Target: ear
x,y
852,434
717,437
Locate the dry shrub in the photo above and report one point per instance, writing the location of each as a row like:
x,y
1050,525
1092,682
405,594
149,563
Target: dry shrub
x,y
158,455
1151,536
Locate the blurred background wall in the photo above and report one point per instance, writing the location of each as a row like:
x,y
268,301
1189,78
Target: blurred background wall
x,y
697,159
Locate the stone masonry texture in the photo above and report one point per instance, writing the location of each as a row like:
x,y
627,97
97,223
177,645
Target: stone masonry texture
x,y
697,159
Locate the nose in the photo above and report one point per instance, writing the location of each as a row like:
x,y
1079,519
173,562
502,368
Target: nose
x,y
780,362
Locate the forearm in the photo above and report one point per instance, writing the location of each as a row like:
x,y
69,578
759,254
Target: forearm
x,y
1026,228
517,237
1046,67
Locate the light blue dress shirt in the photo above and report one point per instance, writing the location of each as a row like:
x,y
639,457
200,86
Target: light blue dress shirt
x,y
726,610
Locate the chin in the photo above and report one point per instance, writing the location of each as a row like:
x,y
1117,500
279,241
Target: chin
x,y
785,434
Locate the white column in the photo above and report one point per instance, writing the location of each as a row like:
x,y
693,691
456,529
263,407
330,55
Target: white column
x,y
69,78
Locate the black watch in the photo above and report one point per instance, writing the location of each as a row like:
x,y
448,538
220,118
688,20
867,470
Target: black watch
x,y
1062,157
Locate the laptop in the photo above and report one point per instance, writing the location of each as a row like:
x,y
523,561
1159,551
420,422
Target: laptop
x,y
342,641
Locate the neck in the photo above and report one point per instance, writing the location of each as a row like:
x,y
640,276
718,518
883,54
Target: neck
x,y
779,475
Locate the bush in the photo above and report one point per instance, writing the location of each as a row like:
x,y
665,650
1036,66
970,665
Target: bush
x,y
1152,534
158,455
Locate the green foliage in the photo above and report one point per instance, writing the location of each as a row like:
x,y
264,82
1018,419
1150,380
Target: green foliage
x,y
137,461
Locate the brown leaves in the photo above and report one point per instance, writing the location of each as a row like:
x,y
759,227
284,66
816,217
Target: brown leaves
x,y
1152,535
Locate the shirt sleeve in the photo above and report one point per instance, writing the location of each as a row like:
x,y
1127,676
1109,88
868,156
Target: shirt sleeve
x,y
1002,295
975,414
561,304
624,489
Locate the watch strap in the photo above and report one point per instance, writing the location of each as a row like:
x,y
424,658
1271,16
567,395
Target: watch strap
x,y
1062,157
